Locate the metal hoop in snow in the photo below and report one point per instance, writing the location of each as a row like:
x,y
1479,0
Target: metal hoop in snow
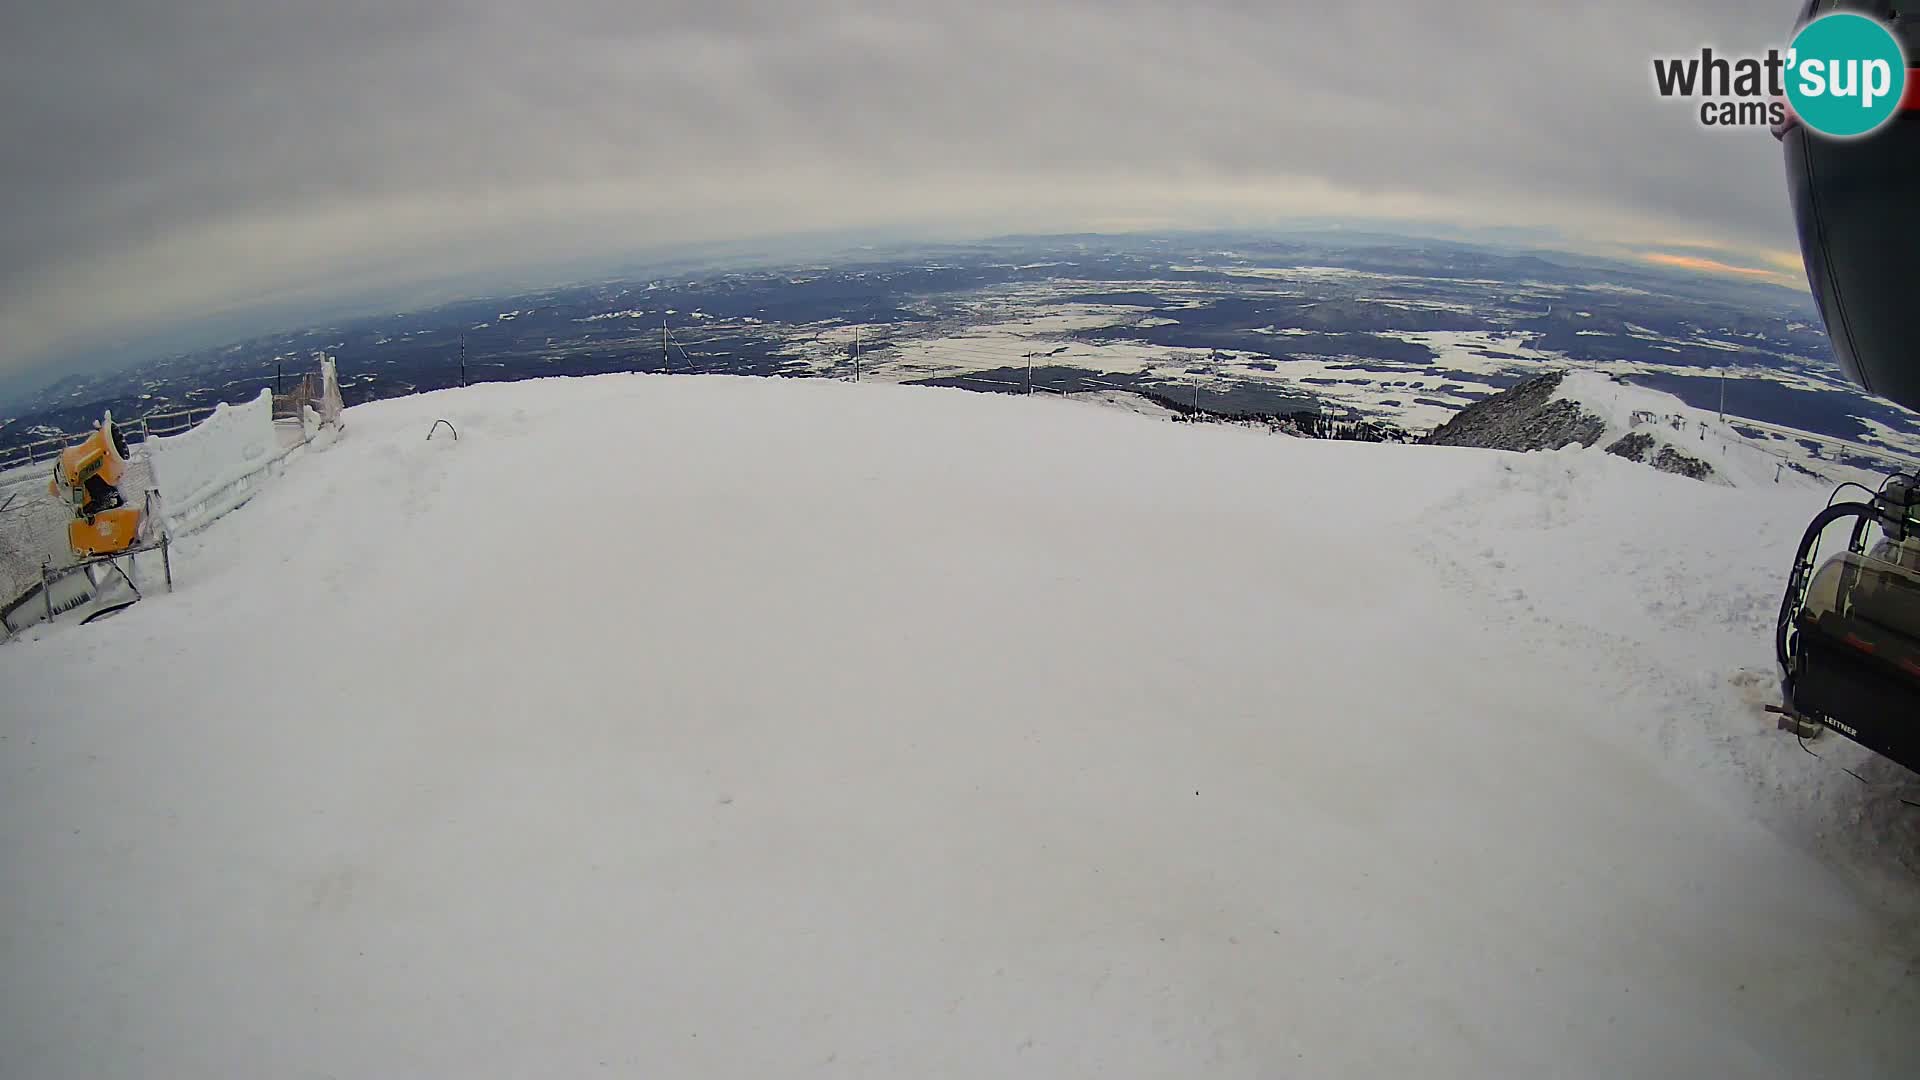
x,y
436,427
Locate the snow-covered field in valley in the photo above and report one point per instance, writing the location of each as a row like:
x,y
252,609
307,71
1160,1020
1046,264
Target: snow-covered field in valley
x,y
720,727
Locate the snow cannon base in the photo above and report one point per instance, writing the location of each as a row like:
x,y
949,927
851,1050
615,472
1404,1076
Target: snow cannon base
x,y
89,590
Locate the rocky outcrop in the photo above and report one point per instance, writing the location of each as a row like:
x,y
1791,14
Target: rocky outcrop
x,y
1523,418
1632,446
1529,417
1673,461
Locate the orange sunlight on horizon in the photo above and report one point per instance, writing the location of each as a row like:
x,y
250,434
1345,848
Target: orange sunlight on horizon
x,y
1705,265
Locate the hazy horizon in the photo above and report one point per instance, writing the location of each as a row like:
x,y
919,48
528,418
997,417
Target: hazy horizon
x,y
230,159
191,335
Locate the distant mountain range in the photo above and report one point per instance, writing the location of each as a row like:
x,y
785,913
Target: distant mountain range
x,y
1354,327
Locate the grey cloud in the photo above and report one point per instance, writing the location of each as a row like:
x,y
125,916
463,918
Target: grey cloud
x,y
178,159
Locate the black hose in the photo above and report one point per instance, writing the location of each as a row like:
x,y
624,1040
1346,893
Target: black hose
x,y
1803,574
1850,484
1857,543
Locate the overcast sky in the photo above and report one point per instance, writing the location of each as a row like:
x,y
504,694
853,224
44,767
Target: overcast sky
x,y
191,158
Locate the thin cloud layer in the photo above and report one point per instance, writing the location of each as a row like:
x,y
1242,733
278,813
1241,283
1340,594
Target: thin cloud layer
x,y
182,160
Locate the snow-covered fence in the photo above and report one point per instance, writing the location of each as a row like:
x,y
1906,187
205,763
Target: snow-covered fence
x,y
221,499
219,464
317,393
327,406
235,441
224,461
171,422
39,450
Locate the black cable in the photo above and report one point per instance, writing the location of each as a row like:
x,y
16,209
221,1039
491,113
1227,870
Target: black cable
x,y
1802,573
1805,749
1854,484
1817,757
1803,745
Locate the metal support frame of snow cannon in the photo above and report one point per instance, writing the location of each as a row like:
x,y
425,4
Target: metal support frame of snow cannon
x,y
116,608
1840,667
90,568
436,427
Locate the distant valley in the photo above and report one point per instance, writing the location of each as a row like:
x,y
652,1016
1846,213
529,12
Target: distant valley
x,y
1351,327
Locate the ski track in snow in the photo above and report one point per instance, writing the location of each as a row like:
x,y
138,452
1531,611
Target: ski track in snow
x,y
707,726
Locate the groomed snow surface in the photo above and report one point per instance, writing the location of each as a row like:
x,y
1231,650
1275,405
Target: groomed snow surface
x,y
718,727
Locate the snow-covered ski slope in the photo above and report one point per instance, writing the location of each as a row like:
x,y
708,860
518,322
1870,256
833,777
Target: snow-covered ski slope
x,y
1738,460
719,727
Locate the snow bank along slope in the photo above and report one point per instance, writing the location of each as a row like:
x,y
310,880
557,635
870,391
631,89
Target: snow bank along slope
x,y
727,727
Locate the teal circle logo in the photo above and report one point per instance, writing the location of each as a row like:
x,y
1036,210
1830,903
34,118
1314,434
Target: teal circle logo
x,y
1845,74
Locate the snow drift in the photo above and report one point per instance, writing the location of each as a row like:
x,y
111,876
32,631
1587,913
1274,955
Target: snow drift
x,y
704,726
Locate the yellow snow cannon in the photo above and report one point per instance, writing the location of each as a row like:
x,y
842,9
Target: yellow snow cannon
x,y
87,478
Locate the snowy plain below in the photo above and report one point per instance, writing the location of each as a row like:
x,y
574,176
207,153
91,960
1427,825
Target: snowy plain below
x,y
724,727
